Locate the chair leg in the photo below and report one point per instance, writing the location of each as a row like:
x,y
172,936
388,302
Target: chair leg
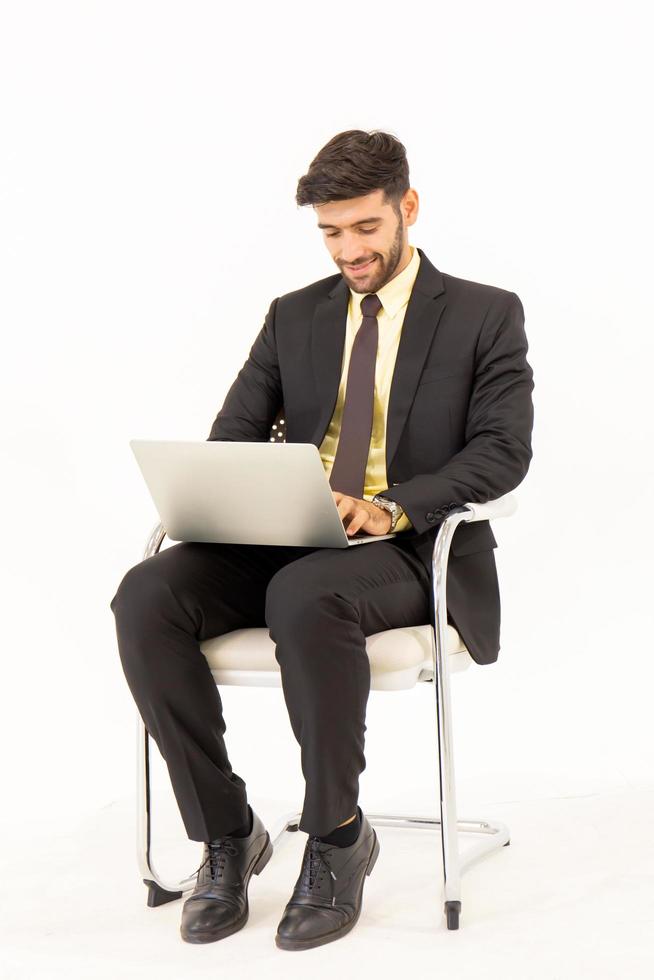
x,y
453,865
159,891
449,823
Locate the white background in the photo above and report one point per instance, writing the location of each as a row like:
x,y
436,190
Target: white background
x,y
150,155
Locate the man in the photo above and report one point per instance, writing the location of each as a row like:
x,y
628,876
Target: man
x,y
415,387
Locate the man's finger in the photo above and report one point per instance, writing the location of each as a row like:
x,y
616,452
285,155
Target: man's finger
x,y
357,521
346,506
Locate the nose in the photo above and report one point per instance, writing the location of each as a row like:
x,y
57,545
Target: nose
x,y
352,252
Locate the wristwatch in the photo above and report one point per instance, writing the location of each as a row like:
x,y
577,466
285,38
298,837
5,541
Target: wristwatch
x,y
391,506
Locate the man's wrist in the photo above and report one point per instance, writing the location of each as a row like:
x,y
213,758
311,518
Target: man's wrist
x,y
394,509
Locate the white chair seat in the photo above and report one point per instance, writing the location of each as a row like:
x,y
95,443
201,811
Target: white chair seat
x,y
399,658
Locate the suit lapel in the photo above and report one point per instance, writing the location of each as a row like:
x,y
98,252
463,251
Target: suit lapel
x,y
426,304
327,344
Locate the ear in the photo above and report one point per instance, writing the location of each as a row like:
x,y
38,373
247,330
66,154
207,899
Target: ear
x,y
410,206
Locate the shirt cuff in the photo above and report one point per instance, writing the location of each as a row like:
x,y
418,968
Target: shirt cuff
x,y
404,523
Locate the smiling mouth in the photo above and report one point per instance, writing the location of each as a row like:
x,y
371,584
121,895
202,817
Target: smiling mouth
x,y
358,269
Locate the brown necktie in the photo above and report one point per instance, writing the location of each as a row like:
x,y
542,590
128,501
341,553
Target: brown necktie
x,y
348,471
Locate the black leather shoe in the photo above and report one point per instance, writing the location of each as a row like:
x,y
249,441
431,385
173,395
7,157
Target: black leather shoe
x,y
326,901
219,903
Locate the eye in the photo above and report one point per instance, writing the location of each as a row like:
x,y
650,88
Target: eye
x,y
371,231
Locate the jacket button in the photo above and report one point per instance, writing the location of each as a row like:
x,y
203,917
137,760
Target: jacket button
x,y
430,517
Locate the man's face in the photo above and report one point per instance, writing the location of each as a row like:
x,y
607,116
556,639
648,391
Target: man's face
x,y
366,238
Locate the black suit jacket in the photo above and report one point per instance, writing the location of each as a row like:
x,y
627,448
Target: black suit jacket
x,y
460,414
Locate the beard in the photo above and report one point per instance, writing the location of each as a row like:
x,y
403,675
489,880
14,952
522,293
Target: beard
x,y
383,269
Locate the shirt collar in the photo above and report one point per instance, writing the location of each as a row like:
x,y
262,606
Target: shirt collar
x,y
395,294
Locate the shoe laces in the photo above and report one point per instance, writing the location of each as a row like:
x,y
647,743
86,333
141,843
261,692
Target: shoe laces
x,y
215,857
315,864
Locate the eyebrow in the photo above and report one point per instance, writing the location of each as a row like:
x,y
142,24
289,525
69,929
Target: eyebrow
x,y
364,221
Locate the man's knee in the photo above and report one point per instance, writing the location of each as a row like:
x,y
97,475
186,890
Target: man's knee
x,y
140,588
141,607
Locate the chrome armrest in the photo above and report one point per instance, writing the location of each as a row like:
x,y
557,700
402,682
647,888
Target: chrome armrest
x,y
157,535
500,507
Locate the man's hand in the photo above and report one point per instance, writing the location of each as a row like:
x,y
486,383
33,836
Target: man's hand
x,y
361,515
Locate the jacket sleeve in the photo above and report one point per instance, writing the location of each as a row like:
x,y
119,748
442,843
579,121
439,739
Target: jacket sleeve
x,y
499,422
255,397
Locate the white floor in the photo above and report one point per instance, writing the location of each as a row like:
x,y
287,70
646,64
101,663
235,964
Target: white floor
x,y
572,897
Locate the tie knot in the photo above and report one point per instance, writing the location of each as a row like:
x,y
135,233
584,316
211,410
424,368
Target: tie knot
x,y
371,304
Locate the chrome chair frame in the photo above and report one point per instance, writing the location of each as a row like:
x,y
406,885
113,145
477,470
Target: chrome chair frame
x,y
493,833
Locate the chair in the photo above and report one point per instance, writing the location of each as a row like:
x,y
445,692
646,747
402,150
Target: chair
x,y
399,658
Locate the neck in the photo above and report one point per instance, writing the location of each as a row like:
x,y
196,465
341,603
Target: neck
x,y
404,261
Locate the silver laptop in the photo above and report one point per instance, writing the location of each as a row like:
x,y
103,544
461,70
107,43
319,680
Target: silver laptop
x,y
273,493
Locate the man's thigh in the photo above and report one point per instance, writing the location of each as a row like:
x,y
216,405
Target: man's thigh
x,y
220,587
387,586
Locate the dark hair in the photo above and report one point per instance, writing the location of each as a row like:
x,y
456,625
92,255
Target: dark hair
x,y
355,163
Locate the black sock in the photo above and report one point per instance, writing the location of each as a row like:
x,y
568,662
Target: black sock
x,y
345,836
245,829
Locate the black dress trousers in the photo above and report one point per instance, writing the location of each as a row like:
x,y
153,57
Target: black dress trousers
x,y
319,605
